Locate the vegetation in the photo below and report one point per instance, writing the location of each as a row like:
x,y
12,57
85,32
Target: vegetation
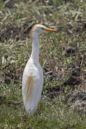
x,y
62,55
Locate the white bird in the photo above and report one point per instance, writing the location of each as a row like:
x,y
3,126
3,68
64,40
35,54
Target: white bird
x,y
32,81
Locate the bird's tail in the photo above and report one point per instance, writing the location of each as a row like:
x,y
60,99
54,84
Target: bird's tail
x,y
27,92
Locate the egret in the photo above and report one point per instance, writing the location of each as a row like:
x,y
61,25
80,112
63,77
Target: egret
x,y
32,80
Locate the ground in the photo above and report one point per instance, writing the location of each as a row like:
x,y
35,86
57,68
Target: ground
x,y
62,56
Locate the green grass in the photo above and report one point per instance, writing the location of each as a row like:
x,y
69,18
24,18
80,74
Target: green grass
x,y
51,114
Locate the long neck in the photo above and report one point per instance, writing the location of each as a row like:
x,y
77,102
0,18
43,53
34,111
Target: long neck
x,y
35,47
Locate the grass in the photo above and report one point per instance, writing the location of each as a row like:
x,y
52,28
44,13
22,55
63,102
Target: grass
x,y
50,114
57,65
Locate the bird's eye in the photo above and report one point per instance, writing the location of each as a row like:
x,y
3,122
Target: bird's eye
x,y
43,28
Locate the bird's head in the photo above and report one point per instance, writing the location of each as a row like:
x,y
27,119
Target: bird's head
x,y
39,28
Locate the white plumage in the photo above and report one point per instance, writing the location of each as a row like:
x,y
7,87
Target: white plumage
x,y
32,81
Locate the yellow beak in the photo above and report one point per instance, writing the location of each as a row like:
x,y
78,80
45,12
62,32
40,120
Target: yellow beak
x,y
50,29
